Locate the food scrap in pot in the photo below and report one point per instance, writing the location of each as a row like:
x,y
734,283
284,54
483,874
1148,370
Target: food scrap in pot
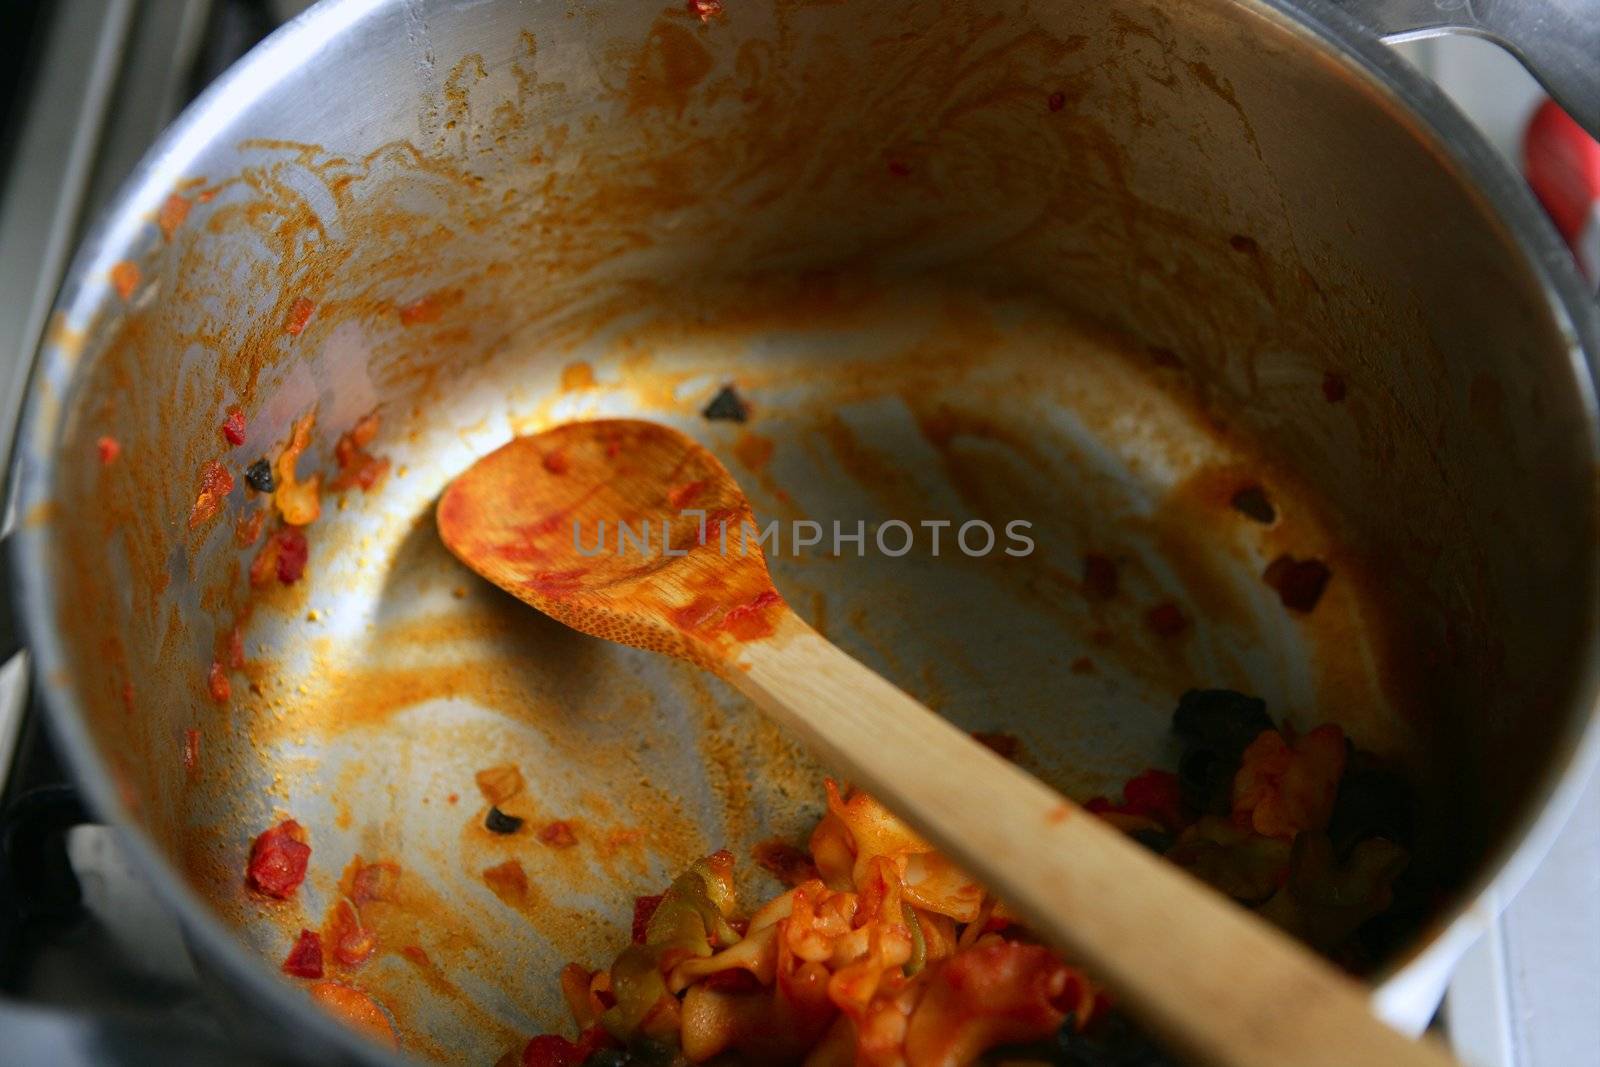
x,y
109,449
727,406
233,426
217,684
174,210
298,502
500,783
706,10
1252,502
1299,582
498,822
283,557
1166,619
278,860
558,834
353,944
215,485
125,278
258,476
248,528
356,466
299,315
305,957
883,952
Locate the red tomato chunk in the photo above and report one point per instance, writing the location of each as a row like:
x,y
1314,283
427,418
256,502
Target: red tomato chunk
x,y
305,958
278,860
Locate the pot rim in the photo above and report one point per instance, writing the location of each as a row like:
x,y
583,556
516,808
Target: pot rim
x,y
86,291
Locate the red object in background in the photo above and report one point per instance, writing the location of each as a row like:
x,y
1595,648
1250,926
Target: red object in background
x,y
1562,164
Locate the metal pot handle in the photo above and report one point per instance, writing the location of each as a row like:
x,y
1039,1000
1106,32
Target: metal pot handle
x,y
1558,41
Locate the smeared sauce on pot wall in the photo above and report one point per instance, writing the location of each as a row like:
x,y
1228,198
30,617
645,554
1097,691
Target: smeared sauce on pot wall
x,y
980,293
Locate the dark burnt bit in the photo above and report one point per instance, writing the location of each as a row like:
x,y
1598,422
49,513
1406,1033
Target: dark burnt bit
x,y
1056,101
1299,582
498,822
259,476
1243,244
1252,503
727,406
1333,387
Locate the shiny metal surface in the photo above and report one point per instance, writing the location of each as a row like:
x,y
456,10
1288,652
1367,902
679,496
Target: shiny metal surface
x,y
946,293
1557,40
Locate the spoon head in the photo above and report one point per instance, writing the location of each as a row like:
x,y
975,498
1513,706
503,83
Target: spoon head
x,y
623,529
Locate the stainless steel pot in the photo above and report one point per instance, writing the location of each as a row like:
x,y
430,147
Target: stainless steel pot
x,y
1093,265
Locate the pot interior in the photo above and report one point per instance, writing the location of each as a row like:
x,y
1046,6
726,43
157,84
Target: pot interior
x,y
1098,267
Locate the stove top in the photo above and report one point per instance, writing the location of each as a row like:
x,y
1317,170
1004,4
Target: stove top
x,y
93,971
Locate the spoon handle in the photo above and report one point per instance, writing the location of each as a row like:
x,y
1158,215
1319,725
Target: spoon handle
x,y
1207,976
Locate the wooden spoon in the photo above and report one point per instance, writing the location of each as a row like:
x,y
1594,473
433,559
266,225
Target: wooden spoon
x,y
1206,975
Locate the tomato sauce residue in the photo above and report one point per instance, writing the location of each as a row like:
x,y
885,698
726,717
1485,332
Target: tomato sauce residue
x,y
248,528
125,278
109,449
644,908
693,615
233,427
558,581
428,309
576,377
681,496
299,315
508,881
753,450
751,621
191,752
558,835
355,1009
217,683
174,210
790,865
215,485
556,462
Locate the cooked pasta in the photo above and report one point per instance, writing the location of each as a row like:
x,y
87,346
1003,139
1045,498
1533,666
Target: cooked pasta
x,y
882,953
